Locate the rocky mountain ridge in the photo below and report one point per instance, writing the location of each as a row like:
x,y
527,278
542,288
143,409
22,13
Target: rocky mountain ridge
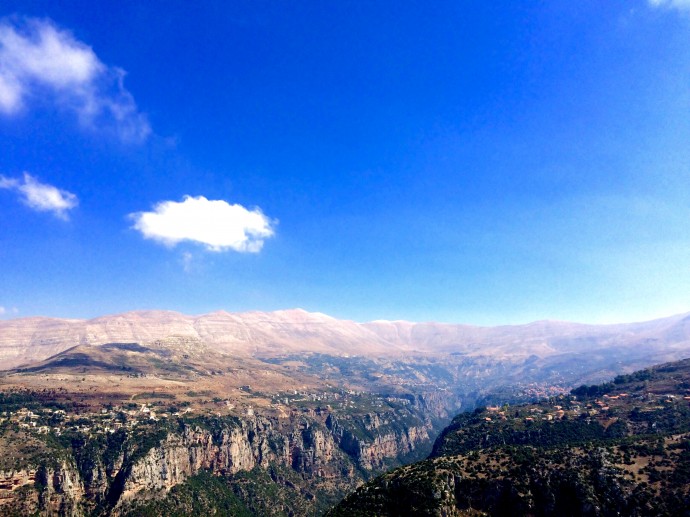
x,y
260,334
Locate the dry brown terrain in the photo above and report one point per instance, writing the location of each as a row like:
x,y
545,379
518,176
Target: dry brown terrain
x,y
259,334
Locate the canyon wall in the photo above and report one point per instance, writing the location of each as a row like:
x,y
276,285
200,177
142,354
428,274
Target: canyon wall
x,y
130,466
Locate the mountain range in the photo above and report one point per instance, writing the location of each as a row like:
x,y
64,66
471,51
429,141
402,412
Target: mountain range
x,y
153,405
266,334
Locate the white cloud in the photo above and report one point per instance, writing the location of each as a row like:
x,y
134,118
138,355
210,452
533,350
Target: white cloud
x,y
41,196
2,310
217,224
671,4
37,58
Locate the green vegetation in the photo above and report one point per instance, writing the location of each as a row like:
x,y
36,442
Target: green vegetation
x,y
157,395
14,400
203,393
281,492
594,390
216,425
621,448
199,496
472,431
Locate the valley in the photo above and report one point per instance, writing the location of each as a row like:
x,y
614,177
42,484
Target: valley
x,y
620,448
334,259
134,413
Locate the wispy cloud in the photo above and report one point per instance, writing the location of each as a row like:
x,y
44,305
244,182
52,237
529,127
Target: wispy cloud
x,y
683,5
4,310
187,259
38,58
40,196
216,224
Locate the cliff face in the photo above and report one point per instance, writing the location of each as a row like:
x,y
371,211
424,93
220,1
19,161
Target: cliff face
x,y
60,491
130,466
308,449
374,440
12,484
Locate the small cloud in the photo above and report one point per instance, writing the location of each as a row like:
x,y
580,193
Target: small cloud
x,y
38,58
681,5
216,224
41,196
2,310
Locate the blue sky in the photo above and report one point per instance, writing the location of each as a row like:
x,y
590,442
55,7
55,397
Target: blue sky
x,y
475,162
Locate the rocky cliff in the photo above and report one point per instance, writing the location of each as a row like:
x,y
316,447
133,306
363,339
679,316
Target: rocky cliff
x,y
57,490
320,459
373,440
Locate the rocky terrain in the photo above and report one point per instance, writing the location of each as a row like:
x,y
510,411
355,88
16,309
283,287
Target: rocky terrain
x,y
621,448
157,412
259,334
58,458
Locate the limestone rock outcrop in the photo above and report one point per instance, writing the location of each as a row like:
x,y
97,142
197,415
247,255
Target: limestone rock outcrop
x,y
130,467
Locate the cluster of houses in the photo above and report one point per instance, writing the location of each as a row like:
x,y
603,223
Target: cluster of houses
x,y
536,390
572,408
344,397
57,421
